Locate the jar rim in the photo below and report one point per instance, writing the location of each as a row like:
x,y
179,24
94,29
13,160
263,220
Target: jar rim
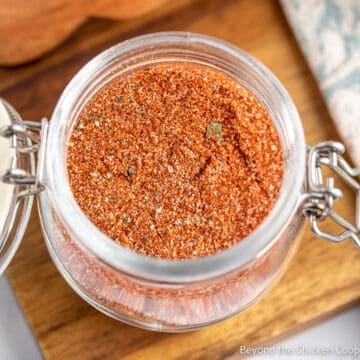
x,y
144,267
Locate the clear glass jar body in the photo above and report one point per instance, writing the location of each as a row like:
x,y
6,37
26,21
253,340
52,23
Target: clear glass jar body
x,y
159,294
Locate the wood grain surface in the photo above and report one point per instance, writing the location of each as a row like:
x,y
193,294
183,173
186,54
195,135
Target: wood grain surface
x,y
322,278
29,29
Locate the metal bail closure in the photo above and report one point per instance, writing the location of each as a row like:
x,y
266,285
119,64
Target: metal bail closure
x,y
20,177
319,200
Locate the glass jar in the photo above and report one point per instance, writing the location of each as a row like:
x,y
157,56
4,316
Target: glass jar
x,y
158,294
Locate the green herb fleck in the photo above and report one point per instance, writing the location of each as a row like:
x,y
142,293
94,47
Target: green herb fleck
x,y
120,98
214,131
134,87
126,219
131,171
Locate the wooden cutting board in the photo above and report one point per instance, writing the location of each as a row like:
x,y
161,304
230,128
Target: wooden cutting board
x,y
322,278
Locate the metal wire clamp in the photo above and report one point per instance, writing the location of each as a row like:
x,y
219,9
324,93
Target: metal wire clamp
x,y
320,197
25,137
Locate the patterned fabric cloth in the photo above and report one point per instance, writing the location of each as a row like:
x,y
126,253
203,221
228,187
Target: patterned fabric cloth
x,y
329,34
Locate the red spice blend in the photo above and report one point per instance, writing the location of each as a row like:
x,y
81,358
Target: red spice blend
x,y
175,161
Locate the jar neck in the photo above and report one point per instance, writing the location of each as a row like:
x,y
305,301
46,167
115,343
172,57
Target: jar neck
x,y
189,48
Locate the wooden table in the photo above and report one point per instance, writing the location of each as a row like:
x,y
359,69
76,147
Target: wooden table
x,y
322,279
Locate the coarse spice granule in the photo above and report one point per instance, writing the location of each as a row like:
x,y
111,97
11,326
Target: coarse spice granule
x,y
175,161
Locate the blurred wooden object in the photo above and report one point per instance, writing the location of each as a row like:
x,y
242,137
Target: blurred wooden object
x,y
29,29
322,278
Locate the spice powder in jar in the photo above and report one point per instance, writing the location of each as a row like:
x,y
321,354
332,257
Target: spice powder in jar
x,y
175,161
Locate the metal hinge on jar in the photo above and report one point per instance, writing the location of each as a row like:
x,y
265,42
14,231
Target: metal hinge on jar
x,y
25,137
319,200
